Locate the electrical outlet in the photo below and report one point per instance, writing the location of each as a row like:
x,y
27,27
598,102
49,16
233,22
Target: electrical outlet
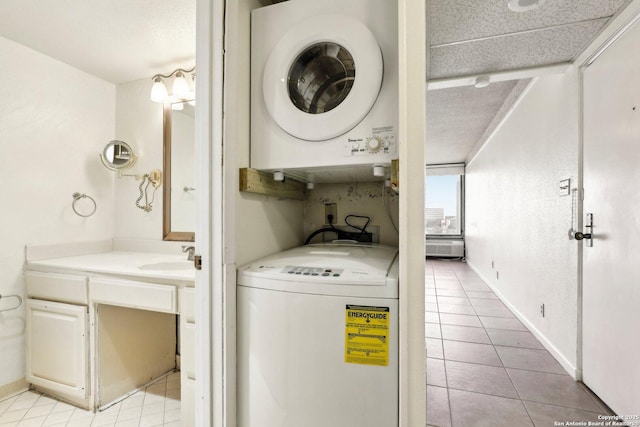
x,y
542,309
331,209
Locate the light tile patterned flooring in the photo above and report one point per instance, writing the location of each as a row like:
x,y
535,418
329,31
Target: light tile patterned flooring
x,y
484,368
157,405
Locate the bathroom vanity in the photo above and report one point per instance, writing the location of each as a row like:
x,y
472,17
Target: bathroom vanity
x,y
100,326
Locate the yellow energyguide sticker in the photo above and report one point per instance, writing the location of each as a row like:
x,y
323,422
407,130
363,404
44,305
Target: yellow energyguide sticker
x,y
366,335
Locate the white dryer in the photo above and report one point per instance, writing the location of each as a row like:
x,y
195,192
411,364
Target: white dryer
x,y
317,340
324,84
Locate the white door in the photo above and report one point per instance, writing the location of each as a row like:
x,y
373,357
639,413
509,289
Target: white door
x,y
611,283
57,350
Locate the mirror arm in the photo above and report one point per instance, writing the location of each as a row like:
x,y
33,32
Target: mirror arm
x,y
155,176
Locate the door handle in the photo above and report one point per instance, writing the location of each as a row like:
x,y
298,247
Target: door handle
x,y
588,226
579,235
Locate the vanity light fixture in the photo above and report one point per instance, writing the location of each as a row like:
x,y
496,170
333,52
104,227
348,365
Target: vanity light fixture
x,y
158,90
180,87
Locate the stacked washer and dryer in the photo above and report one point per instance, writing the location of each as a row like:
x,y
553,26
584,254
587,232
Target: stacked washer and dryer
x,y
318,325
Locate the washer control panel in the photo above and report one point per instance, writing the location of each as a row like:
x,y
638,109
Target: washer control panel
x,y
377,143
311,271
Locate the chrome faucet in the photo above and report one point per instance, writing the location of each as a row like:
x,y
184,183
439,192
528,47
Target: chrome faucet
x,y
190,251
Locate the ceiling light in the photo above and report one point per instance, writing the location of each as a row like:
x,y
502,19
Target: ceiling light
x,y
482,81
524,5
180,88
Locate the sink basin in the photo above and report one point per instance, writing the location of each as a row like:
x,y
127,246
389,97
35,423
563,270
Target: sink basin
x,y
168,265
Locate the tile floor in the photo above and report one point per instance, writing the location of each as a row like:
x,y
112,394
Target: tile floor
x,y
157,405
484,368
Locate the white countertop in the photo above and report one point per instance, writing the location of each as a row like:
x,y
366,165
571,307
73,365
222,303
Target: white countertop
x,y
122,263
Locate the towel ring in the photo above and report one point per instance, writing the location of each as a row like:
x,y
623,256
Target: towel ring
x,y
78,196
18,297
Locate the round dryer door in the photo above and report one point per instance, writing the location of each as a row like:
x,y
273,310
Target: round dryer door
x,y
323,77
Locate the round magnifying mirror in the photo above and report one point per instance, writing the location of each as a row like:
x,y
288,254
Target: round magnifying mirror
x,y
118,155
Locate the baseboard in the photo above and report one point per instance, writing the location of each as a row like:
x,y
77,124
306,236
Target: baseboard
x,y
571,369
13,388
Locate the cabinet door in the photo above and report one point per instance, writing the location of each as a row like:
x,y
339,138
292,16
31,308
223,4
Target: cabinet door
x,y
57,350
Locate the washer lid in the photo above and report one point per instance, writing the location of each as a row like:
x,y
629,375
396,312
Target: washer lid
x,y
322,77
335,263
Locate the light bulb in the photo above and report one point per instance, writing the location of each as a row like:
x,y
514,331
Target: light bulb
x,y
180,86
177,106
158,91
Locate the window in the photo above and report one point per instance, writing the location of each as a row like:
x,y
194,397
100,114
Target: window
x,y
443,212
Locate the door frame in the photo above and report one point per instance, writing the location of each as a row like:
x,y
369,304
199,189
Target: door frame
x,y
413,67
210,357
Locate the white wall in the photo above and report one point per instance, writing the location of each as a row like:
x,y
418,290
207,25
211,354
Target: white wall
x,y
138,123
54,121
365,198
516,218
260,225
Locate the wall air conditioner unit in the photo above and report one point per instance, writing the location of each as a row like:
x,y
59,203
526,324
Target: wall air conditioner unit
x,y
444,248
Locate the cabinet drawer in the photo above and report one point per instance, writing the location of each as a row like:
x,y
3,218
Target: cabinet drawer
x,y
140,295
57,287
187,304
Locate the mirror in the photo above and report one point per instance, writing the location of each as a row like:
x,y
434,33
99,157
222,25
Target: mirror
x,y
117,155
179,171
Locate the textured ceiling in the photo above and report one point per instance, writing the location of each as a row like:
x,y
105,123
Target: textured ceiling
x,y
523,50
116,40
484,37
478,36
460,116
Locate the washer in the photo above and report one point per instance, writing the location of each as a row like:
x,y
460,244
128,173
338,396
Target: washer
x,y
324,84
318,337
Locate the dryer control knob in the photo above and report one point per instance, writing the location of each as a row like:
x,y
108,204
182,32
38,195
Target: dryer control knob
x,y
374,143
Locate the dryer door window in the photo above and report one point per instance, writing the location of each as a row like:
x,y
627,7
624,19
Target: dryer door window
x,y
322,77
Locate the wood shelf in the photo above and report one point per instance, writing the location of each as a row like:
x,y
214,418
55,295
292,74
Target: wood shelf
x,y
258,182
